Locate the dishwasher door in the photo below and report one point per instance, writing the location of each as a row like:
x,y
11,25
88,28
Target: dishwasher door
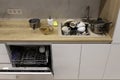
x,y
28,73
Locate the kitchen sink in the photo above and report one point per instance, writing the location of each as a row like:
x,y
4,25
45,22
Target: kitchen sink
x,y
89,34
75,33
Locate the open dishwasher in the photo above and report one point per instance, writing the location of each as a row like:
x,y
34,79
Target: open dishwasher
x,y
29,61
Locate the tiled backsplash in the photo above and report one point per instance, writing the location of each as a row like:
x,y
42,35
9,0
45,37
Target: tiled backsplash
x,y
54,8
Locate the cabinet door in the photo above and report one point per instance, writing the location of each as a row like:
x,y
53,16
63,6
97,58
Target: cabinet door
x,y
113,66
116,37
4,58
93,60
6,77
66,60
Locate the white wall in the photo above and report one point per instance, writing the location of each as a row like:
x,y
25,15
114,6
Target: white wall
x,y
116,36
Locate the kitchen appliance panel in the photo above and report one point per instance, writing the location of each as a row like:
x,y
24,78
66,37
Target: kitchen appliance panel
x,y
6,76
34,77
29,61
30,55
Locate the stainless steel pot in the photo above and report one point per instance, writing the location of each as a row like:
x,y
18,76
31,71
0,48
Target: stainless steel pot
x,y
34,23
100,27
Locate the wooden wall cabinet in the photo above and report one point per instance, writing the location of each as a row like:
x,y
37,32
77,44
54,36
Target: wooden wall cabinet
x,y
109,10
116,37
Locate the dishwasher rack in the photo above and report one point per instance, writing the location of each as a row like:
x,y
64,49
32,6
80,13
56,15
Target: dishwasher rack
x,y
29,55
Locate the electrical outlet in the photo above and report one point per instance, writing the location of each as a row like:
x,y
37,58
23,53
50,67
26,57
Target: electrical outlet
x,y
14,11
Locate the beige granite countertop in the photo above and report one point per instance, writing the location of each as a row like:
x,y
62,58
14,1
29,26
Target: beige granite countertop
x,y
19,30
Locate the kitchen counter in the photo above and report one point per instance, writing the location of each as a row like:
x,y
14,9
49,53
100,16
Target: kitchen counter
x,y
19,30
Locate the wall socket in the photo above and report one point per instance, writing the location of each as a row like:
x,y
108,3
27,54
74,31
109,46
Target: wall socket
x,y
14,11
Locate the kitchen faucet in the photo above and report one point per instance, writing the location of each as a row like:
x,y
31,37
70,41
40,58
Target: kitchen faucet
x,y
88,13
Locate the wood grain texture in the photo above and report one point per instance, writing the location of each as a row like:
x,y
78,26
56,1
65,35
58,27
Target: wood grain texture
x,y
109,10
19,30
